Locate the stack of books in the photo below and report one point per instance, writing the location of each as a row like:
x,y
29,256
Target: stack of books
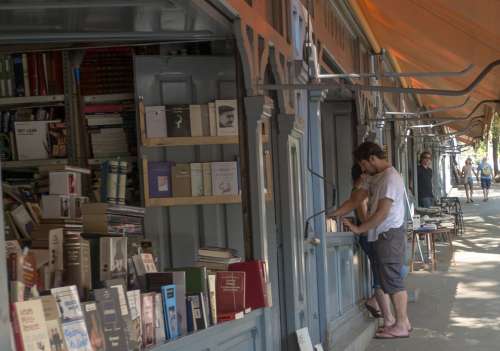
x,y
216,258
108,219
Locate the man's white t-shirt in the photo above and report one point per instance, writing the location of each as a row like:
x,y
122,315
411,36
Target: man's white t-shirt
x,y
387,184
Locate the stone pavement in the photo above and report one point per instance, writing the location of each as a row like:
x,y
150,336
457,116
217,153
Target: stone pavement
x,y
459,305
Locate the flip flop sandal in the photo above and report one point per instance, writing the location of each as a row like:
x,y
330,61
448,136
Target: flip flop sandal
x,y
373,311
388,336
381,330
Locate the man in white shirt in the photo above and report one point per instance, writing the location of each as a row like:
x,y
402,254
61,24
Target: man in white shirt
x,y
386,228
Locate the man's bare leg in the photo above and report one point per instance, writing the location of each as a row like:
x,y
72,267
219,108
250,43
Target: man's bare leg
x,y
402,325
385,307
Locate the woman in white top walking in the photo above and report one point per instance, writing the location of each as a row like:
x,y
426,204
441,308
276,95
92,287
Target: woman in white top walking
x,y
467,171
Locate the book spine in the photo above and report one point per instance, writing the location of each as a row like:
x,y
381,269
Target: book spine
x,y
207,179
42,91
16,328
212,119
72,259
33,73
195,120
213,299
27,88
122,182
196,179
18,74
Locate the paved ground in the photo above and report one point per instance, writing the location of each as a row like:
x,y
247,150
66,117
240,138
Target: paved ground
x,y
459,306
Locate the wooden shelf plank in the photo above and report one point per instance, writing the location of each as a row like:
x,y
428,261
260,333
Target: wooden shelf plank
x,y
27,100
186,201
33,163
98,99
187,141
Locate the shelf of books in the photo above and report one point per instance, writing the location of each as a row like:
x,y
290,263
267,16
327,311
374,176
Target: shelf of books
x,y
190,141
34,163
30,100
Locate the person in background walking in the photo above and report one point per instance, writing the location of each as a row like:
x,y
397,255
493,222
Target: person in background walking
x,y
467,171
424,178
486,173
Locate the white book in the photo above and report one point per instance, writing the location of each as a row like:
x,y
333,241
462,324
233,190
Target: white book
x,y
31,140
23,220
69,303
159,320
225,178
196,179
207,178
31,322
156,122
226,112
212,298
212,119
56,206
195,120
65,183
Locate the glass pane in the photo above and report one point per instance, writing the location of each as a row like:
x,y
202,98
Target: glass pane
x,y
333,280
346,278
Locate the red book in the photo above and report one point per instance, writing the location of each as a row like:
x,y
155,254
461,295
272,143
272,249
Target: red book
x,y
40,68
230,292
33,74
255,280
103,108
16,328
57,73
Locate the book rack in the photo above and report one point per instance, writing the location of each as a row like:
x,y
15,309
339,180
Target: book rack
x,y
182,201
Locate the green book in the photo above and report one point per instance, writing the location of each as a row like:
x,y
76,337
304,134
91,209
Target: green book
x,y
196,279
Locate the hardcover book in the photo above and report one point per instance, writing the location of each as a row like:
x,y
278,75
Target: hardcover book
x,y
207,178
31,140
148,319
52,320
31,331
144,263
156,122
76,336
159,320
181,180
159,178
77,263
124,312
199,310
195,120
170,311
225,178
94,326
196,179
230,292
134,305
68,302
256,294
113,257
108,306
56,207
227,117
212,119
65,183
178,121
212,292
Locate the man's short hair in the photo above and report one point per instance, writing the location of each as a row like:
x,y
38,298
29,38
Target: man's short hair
x,y
424,154
367,149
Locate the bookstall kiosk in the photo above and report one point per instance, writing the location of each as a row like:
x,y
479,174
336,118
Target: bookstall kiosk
x,y
176,226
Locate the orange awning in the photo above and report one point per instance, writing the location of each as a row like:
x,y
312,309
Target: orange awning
x,y
441,35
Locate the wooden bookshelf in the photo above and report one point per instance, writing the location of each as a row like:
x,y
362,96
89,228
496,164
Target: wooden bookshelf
x,y
187,201
189,141
30,100
98,161
33,163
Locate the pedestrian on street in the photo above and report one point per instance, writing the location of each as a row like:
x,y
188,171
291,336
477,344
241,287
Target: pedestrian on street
x,y
386,229
486,172
468,180
424,178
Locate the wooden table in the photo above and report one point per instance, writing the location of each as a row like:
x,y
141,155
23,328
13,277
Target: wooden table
x,y
430,239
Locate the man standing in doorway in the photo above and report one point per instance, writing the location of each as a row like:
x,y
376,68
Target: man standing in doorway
x,y
424,178
385,226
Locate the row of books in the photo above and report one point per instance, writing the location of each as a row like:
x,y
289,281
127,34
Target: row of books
x,y
170,179
31,74
107,71
33,133
219,118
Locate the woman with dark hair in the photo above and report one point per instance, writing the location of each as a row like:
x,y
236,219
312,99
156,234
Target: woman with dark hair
x,y
372,305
